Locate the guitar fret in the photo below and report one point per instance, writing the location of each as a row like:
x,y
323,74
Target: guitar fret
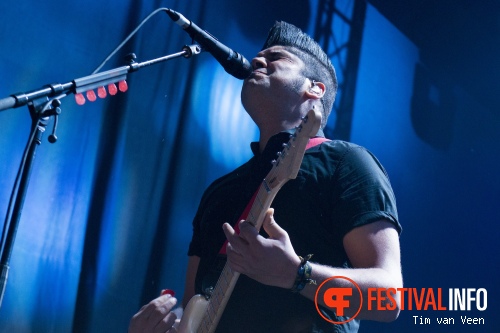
x,y
210,311
218,296
268,189
250,217
214,299
224,277
259,201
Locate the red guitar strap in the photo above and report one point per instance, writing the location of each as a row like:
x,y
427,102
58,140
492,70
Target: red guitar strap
x,y
312,143
316,141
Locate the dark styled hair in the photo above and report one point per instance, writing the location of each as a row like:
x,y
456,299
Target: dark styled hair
x,y
318,66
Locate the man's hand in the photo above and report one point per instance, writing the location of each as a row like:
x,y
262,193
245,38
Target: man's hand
x,y
155,317
270,261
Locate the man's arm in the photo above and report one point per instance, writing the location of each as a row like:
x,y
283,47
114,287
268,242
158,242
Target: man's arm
x,y
373,250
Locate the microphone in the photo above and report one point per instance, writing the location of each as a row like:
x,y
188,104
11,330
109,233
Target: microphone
x,y
233,62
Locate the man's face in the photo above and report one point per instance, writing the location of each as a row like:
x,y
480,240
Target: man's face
x,y
276,83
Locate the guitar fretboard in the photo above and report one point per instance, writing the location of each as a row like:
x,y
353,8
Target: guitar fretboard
x,y
219,296
281,172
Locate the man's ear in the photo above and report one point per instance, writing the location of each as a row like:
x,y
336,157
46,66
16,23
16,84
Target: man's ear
x,y
316,91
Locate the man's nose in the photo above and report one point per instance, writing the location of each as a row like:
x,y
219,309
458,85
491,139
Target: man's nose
x,y
258,62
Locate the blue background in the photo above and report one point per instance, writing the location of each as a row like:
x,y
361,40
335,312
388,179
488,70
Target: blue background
x,y
107,219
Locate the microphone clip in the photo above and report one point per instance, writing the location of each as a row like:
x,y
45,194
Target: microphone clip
x,y
191,50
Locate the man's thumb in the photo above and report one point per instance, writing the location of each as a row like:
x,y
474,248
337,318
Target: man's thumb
x,y
271,227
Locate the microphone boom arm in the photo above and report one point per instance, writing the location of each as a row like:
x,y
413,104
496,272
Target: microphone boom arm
x,y
91,81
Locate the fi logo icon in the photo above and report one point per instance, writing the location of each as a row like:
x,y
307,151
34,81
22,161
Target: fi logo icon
x,y
339,299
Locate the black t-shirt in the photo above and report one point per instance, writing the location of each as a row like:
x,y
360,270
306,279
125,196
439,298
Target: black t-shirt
x,y
339,186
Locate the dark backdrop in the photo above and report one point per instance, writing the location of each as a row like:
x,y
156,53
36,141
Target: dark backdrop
x,y
107,219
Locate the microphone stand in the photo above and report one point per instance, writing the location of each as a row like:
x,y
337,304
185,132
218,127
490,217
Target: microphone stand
x,y
43,104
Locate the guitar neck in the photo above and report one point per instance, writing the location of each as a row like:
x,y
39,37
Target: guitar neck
x,y
285,167
219,296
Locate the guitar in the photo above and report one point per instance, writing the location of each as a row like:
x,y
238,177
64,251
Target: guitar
x,y
203,313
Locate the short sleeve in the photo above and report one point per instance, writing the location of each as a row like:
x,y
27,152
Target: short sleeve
x,y
195,244
365,193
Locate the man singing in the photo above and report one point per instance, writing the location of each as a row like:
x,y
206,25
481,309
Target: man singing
x,y
340,208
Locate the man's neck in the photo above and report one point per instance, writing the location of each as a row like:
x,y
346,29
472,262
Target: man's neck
x,y
267,132
264,139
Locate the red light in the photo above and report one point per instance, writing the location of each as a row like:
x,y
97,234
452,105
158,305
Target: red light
x,y
112,89
101,92
168,292
91,96
79,99
122,86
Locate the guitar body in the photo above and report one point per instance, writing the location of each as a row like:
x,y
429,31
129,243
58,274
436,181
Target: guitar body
x,y
193,314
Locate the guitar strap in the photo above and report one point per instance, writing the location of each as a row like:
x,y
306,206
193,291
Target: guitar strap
x,y
312,143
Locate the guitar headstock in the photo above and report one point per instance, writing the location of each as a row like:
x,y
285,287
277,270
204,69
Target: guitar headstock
x,y
287,165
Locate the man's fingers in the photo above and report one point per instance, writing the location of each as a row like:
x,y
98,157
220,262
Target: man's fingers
x,y
228,231
232,253
248,231
147,309
172,330
165,325
234,259
154,316
160,308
